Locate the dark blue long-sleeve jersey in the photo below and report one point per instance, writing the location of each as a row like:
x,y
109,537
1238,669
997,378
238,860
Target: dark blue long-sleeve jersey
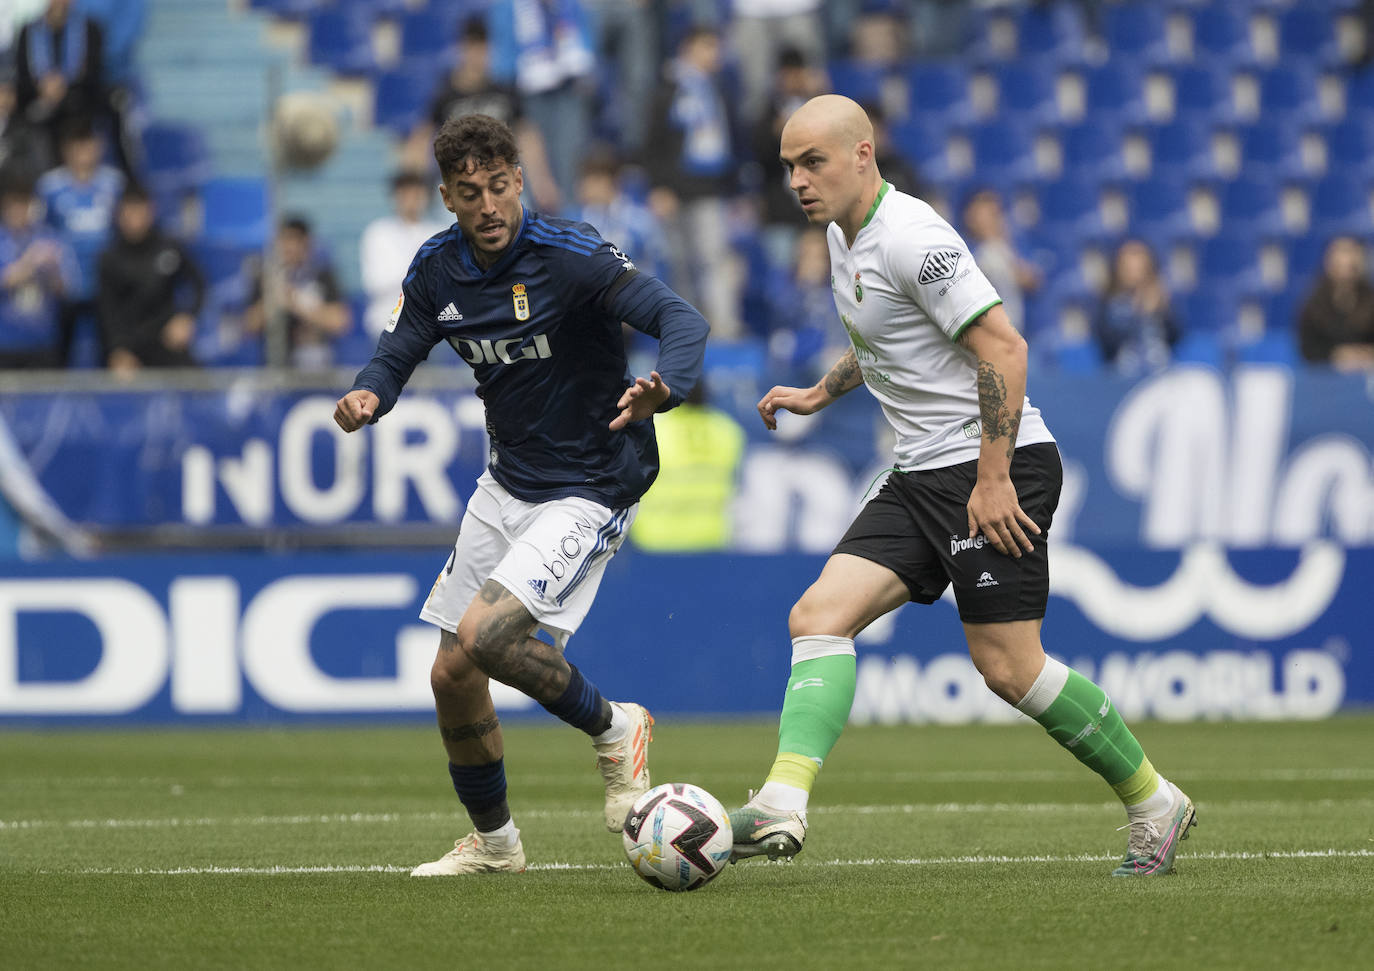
x,y
541,329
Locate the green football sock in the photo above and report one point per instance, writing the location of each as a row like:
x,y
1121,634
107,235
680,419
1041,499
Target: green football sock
x,y
820,693
1079,716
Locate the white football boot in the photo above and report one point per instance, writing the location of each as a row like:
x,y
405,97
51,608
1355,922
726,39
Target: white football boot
x,y
1152,843
762,831
473,854
624,764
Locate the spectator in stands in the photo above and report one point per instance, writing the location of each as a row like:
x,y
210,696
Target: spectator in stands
x,y
795,82
618,217
803,313
895,167
1135,325
760,31
150,291
313,312
691,162
545,48
469,89
389,243
626,34
37,270
700,449
990,243
60,74
1336,323
80,198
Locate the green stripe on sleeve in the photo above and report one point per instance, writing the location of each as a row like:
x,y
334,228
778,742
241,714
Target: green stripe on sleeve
x,y
976,314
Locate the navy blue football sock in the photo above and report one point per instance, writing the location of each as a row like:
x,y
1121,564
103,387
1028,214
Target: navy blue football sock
x,y
482,789
581,705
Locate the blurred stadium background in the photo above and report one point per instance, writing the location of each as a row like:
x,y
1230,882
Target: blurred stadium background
x,y
201,544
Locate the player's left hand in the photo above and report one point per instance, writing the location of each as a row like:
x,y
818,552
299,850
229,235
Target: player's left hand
x,y
640,400
994,511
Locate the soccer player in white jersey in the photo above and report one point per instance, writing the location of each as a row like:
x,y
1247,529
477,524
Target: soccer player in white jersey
x,y
969,503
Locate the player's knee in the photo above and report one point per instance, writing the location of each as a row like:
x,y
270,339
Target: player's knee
x,y
1001,677
809,616
453,670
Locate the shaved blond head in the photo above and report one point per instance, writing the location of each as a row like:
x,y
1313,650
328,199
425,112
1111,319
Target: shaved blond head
x,y
832,119
827,147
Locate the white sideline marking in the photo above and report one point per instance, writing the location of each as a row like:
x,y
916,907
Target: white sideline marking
x,y
838,775
977,859
896,809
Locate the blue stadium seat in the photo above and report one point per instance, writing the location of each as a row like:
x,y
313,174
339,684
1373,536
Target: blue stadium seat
x,y
1200,347
1078,357
1288,92
176,160
1115,92
939,91
1281,309
291,9
1159,210
426,33
1092,151
1051,32
1250,205
1308,33
340,40
235,211
1181,150
402,96
1350,146
1359,91
1229,260
1280,347
1026,92
1303,257
1339,203
1003,154
923,142
1070,205
1206,309
1221,36
1137,31
1271,150
1203,94
860,81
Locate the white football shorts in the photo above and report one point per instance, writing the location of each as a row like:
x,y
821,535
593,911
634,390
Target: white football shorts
x,y
550,555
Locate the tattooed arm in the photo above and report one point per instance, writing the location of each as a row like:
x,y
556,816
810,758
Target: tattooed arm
x,y
993,508
845,376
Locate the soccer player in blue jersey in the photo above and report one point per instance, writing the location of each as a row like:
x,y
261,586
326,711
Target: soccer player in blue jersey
x,y
535,305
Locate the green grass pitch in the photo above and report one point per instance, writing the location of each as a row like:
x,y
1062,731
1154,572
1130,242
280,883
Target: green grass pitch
x,y
969,847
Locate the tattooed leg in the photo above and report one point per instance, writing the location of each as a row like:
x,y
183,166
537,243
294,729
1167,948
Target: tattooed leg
x,y
462,701
495,636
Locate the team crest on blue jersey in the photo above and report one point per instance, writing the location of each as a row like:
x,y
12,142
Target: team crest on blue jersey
x,y
521,301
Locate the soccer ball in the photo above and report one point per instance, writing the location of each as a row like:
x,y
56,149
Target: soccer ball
x,y
677,836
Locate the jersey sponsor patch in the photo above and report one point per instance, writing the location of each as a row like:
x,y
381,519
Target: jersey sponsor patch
x,y
395,313
939,264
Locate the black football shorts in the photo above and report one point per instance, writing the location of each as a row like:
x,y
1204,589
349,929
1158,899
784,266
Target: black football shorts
x,y
917,527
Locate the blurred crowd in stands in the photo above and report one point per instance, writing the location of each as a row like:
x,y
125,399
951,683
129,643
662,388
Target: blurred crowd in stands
x,y
658,123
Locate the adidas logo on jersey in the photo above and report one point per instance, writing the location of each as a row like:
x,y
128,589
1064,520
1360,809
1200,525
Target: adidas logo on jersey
x,y
450,313
539,586
986,580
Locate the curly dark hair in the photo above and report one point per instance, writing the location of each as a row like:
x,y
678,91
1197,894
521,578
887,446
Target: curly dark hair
x,y
471,142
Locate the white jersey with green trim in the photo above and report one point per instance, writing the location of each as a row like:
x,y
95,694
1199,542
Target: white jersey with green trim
x,y
905,291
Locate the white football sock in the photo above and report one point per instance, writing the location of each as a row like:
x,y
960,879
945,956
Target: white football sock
x,y
1153,805
620,727
503,838
782,797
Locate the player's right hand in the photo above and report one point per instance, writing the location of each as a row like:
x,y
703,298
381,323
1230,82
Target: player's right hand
x,y
355,409
799,401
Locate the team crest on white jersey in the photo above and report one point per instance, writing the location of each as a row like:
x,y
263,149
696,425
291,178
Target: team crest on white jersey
x,y
521,301
939,264
858,289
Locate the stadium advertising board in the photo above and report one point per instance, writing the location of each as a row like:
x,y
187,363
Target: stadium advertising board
x,y
263,637
1214,549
